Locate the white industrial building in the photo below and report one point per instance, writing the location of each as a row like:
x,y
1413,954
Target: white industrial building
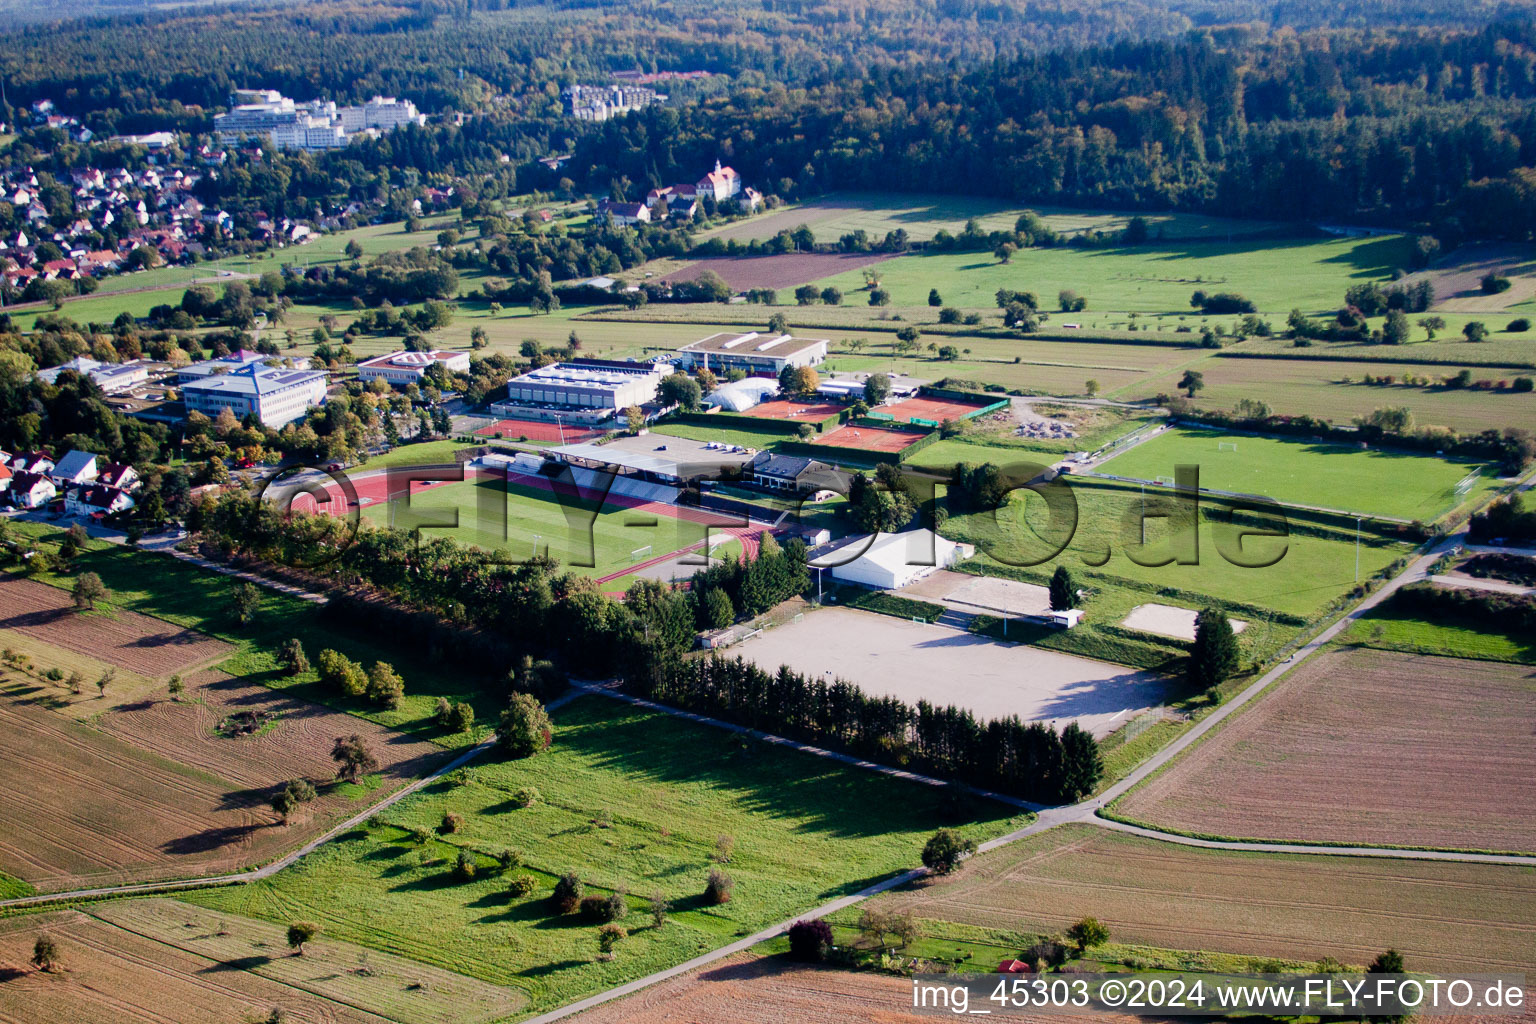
x,y
886,561
581,391
741,395
752,353
402,368
236,360
276,396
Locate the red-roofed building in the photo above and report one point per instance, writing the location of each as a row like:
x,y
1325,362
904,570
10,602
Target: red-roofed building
x,y
721,184
1014,967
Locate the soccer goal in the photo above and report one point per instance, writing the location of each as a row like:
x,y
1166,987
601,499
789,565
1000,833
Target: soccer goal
x,y
640,553
1165,481
1465,485
1226,446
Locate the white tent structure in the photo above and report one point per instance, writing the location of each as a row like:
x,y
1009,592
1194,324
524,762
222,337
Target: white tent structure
x,y
741,395
887,561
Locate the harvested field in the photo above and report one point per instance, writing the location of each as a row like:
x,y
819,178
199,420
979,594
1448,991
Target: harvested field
x,y
936,410
152,791
1438,753
1458,278
749,989
799,412
538,430
782,271
113,976
138,643
295,743
873,439
390,986
1166,620
1179,897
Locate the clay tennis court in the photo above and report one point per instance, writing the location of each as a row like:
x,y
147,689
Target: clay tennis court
x,y
799,412
538,430
935,409
872,439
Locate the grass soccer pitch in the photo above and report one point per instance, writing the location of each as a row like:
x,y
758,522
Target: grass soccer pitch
x,y
515,518
1316,565
628,799
1374,481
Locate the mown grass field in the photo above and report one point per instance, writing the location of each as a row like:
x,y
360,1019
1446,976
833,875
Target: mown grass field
x,y
1318,388
1378,481
629,799
498,516
922,216
1313,571
1256,904
1154,279
1390,630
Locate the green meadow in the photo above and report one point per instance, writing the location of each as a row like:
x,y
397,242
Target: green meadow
x,y
635,802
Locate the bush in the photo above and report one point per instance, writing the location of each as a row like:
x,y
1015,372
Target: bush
x,y
567,894
525,797
1523,384
465,868
809,941
452,822
717,889
522,886
612,907
1518,326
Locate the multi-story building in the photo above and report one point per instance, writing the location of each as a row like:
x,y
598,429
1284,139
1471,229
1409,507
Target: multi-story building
x,y
110,377
402,368
276,396
752,353
317,124
581,391
600,102
236,360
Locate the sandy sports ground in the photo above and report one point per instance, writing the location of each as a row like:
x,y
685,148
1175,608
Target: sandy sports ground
x,y
872,439
896,657
1168,620
1367,747
797,412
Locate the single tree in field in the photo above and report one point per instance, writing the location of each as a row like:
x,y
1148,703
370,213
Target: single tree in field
x,y
1087,933
524,729
934,298
567,893
1475,330
778,323
176,687
88,589
385,685
1395,331
1431,324
874,923
292,657
1063,589
809,941
659,908
300,932
243,601
105,680
353,757
1090,387
1214,655
45,953
1192,381
944,850
608,938
1004,252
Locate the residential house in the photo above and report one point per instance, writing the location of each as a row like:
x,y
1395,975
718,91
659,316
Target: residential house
x,y
624,213
120,475
97,500
5,479
31,490
791,473
75,468
33,462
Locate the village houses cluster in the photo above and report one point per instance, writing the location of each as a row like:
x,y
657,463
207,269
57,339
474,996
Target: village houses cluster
x,y
683,201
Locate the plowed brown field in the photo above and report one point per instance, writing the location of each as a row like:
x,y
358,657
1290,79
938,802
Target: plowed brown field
x,y
139,643
1441,915
1367,747
112,976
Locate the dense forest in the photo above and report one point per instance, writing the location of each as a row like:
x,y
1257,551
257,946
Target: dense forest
x,y
1427,128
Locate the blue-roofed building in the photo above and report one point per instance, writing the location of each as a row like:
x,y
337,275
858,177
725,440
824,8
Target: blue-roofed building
x,y
276,395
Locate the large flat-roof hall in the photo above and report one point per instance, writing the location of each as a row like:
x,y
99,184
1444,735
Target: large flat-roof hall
x,y
585,390
752,352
